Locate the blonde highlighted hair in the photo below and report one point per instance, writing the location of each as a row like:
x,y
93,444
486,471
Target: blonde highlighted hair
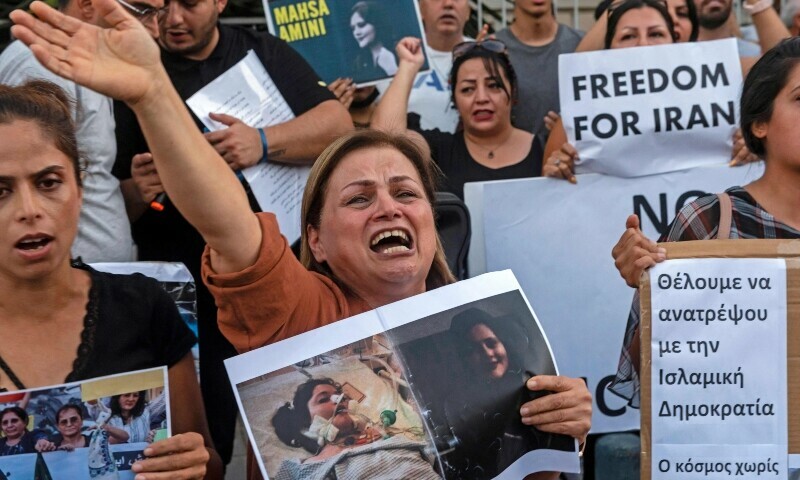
x,y
314,195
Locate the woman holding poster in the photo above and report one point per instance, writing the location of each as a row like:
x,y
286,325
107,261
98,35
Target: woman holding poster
x,y
483,86
368,232
766,208
632,23
624,26
71,322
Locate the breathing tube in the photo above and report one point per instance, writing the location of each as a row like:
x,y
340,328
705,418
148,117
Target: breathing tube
x,y
323,431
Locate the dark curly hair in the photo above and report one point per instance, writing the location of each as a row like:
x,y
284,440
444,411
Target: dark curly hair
x,y
493,62
292,418
137,410
505,328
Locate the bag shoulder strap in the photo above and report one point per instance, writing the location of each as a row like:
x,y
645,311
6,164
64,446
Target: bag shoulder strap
x,y
725,214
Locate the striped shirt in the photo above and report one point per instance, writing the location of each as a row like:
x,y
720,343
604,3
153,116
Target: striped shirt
x,y
699,220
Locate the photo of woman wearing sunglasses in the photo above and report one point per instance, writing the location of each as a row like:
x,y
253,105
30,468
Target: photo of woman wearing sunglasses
x,y
483,88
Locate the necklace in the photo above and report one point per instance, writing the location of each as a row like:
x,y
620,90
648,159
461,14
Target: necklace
x,y
489,151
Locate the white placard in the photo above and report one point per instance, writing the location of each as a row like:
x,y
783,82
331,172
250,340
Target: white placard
x,y
426,346
247,92
557,237
678,103
719,386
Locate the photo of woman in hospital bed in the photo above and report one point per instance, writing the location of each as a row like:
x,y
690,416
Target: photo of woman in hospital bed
x,y
339,416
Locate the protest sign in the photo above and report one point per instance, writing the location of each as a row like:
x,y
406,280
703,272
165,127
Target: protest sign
x,y
557,237
346,39
752,338
429,387
75,431
248,93
651,99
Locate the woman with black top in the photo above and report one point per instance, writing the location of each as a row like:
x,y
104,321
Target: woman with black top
x,y
483,87
70,322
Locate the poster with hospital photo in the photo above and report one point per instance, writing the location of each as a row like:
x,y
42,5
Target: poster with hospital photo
x,y
346,38
86,430
427,388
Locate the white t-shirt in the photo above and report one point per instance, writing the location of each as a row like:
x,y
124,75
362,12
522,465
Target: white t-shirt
x,y
430,96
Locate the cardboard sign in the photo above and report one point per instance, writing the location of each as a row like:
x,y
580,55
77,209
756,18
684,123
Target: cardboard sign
x,y
786,249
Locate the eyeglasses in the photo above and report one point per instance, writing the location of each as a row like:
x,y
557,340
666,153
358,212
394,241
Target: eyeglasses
x,y
69,421
491,45
143,13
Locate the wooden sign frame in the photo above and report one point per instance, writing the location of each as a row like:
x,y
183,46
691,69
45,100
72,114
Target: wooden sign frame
x,y
787,249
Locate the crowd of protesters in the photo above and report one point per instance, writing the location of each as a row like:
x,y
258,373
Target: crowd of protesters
x,y
93,129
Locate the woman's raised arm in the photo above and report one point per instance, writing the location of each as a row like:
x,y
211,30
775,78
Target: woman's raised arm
x,y
123,62
390,114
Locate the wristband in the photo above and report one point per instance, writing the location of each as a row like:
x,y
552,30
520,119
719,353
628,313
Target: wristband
x,y
263,145
758,7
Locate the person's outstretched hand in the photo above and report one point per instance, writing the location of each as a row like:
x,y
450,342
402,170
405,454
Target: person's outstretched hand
x,y
634,252
120,61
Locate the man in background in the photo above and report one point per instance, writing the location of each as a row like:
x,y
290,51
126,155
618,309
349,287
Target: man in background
x,y
535,40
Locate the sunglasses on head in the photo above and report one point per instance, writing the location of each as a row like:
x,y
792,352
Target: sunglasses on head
x,y
490,45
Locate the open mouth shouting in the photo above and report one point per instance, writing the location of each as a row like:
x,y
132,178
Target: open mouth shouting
x,y
34,245
391,241
482,115
34,242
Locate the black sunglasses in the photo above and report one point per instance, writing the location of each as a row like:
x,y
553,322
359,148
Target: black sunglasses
x,y
490,45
